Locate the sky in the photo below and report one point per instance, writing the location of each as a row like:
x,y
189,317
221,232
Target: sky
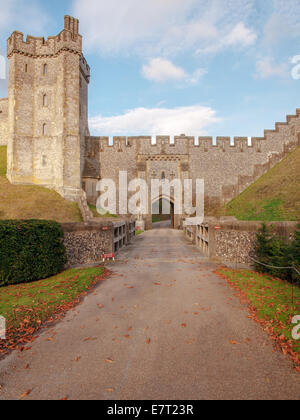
x,y
168,67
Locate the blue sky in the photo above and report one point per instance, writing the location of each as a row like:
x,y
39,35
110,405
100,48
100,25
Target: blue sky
x,y
218,67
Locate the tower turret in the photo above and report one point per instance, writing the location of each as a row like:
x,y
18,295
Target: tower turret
x,y
48,103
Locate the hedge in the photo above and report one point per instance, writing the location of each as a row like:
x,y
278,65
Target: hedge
x,y
30,250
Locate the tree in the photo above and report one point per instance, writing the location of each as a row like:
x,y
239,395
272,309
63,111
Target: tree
x,y
263,248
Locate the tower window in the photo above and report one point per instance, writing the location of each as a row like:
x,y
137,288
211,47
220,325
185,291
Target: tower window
x,y
163,176
45,100
44,129
26,68
45,69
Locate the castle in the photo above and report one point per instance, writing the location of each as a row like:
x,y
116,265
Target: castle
x,y
44,123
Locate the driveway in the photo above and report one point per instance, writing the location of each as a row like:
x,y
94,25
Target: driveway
x,y
158,328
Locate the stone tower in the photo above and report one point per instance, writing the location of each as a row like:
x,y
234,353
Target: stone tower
x,y
48,110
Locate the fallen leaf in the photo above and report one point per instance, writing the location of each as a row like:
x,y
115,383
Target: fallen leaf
x,y
26,393
183,325
109,361
148,341
110,390
233,342
77,359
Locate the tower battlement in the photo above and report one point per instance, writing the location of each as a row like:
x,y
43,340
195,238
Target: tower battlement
x,y
67,40
178,143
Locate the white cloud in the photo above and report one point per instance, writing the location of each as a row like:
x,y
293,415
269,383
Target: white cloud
x,y
156,121
163,28
267,68
284,22
238,36
163,70
27,16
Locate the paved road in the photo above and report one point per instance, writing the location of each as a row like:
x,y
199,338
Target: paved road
x,y
165,325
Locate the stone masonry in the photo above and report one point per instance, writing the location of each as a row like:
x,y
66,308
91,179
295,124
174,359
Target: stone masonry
x,y
3,121
44,123
47,110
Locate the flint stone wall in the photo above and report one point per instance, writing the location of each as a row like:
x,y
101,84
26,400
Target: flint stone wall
x,y
85,242
232,242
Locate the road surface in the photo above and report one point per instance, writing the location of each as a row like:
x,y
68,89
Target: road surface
x,y
163,332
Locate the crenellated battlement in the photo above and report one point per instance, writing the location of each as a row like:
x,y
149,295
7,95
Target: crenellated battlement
x,y
169,143
277,140
67,40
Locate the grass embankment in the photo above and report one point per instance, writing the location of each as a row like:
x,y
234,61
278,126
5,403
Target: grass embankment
x,y
273,303
96,214
31,201
273,197
27,306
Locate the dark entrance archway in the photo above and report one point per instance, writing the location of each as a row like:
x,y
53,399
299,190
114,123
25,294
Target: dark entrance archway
x,y
163,213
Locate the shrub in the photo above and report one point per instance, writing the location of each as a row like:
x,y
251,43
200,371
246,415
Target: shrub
x,y
30,250
276,252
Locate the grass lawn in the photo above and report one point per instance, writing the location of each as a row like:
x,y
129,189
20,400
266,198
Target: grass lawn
x,y
27,306
271,305
32,201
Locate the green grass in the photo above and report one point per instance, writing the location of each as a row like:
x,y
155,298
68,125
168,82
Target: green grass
x,y
139,232
273,197
96,214
32,201
272,298
28,305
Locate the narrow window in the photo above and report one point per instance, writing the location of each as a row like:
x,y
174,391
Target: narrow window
x,y
80,82
163,176
45,100
45,69
26,68
44,129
